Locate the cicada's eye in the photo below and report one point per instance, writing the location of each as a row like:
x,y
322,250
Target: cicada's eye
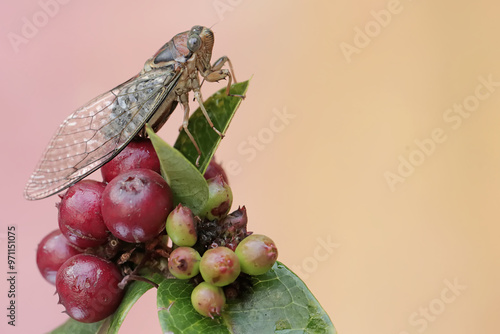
x,y
194,43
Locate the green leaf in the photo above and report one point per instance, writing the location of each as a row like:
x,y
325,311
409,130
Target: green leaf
x,y
221,109
188,185
279,302
134,291
75,327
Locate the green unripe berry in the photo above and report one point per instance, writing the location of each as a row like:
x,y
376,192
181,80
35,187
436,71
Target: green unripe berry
x,y
181,226
220,199
184,262
257,254
219,266
208,300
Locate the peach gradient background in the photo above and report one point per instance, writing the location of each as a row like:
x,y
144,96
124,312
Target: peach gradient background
x,y
322,176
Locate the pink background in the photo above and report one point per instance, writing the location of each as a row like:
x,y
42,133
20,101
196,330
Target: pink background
x,y
316,179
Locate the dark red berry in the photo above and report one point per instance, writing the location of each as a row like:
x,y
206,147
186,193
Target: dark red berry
x,y
88,287
139,153
136,204
80,218
214,169
52,252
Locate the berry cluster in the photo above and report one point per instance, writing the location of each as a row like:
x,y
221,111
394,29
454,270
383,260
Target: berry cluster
x,y
228,250
109,231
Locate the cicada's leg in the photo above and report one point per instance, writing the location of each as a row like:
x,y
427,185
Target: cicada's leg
x,y
197,96
185,104
219,63
216,73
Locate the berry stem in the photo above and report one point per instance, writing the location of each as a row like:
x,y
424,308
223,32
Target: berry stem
x,y
133,277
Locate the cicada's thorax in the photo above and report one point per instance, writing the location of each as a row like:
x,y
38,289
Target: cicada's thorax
x,y
175,57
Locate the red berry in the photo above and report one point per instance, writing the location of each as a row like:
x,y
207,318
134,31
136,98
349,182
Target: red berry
x,y
214,169
80,218
88,287
139,153
136,204
52,252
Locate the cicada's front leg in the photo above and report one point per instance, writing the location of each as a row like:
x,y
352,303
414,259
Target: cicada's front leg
x,y
199,99
214,74
217,73
184,100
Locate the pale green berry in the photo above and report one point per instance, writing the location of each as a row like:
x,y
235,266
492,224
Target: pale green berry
x,y
219,266
208,300
181,226
184,262
257,254
220,199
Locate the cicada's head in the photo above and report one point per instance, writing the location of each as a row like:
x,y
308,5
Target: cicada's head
x,y
201,42
197,42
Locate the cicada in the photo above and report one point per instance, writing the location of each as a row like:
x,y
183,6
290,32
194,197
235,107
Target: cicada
x,y
99,130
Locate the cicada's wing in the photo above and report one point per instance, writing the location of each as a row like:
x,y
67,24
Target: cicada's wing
x,y
99,130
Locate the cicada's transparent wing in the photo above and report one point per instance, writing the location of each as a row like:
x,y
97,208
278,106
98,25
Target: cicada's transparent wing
x,y
99,130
